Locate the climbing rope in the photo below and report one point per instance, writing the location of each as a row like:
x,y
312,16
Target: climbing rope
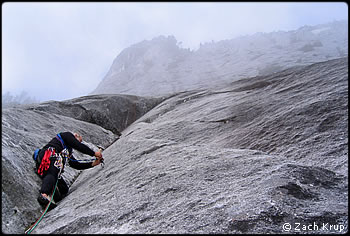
x,y
31,228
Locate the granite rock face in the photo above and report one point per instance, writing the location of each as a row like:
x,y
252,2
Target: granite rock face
x,y
160,66
245,158
28,127
110,111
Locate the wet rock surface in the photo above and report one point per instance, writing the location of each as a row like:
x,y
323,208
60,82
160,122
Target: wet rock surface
x,y
28,127
245,158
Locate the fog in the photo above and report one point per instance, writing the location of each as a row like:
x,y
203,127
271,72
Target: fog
x,y
58,51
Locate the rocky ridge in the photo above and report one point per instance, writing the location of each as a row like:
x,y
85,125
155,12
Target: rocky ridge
x,y
160,66
110,111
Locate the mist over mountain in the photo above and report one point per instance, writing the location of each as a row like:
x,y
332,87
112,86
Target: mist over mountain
x,y
9,100
160,66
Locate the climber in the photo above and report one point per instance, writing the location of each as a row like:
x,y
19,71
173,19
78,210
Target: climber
x,y
52,165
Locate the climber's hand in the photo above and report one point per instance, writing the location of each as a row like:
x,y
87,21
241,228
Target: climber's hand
x,y
98,154
97,161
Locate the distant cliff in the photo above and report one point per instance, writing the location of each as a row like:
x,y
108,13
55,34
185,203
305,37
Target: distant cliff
x,y
159,66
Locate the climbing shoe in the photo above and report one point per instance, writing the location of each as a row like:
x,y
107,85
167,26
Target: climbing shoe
x,y
43,201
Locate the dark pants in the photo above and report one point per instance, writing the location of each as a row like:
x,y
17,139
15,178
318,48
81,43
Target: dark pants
x,y
49,181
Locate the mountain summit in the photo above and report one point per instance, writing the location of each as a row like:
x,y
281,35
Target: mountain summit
x,y
159,66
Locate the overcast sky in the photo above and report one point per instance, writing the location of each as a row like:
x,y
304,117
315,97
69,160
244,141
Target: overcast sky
x,y
58,51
